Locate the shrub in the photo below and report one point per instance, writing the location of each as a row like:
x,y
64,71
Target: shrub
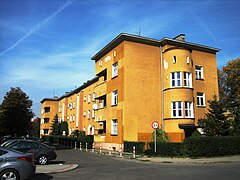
x,y
139,147
167,149
212,146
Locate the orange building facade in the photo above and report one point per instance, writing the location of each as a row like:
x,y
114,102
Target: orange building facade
x,y
140,80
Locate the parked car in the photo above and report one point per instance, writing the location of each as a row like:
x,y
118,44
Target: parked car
x,y
42,152
16,165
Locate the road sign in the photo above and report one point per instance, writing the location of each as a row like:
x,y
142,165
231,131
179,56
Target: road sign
x,y
155,124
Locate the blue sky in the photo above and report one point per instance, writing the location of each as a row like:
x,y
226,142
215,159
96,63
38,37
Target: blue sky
x,y
46,45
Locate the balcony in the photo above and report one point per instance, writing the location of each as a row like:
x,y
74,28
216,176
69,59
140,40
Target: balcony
x,y
101,89
99,138
100,114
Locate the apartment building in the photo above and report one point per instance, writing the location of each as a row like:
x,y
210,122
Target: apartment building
x,y
140,80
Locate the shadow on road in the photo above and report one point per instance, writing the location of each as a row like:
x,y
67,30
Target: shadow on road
x,y
41,176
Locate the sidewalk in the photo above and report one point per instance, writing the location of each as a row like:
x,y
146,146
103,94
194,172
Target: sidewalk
x,y
224,159
55,168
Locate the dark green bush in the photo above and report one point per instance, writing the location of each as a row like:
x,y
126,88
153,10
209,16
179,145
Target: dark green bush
x,y
139,147
212,146
167,149
70,141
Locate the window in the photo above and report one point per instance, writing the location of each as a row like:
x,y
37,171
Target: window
x,y
46,120
188,59
93,96
114,127
187,79
176,80
188,109
89,114
46,109
200,99
45,131
93,113
84,113
199,72
115,70
114,98
89,98
174,59
85,98
176,109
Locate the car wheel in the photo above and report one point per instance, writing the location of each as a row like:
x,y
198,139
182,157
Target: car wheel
x,y
42,159
9,174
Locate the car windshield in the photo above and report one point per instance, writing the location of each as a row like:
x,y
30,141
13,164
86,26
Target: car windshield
x,y
7,143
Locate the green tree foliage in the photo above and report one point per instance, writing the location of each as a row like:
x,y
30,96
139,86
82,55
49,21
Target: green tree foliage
x,y
64,127
229,86
55,126
161,135
215,123
15,113
36,127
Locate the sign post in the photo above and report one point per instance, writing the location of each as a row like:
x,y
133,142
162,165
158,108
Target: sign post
x,y
155,126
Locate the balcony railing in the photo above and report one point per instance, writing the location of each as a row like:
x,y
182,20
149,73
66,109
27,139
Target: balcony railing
x,y
100,114
101,89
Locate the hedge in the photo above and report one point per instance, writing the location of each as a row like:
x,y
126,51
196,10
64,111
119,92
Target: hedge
x,y
212,146
167,149
70,141
139,147
198,147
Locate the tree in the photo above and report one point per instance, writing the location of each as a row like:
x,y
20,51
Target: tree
x,y
36,127
64,127
55,126
161,135
229,86
215,123
15,113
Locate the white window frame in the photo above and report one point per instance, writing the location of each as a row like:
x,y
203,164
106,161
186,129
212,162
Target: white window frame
x,y
187,79
93,97
93,113
89,98
188,107
89,114
84,113
201,99
178,110
174,59
188,59
199,72
115,98
114,127
115,70
175,79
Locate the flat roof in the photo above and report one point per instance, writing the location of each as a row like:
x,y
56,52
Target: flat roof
x,y
153,42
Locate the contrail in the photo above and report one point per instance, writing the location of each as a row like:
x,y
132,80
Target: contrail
x,y
38,26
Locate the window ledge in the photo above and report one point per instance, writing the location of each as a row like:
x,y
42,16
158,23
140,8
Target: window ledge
x,y
200,79
203,106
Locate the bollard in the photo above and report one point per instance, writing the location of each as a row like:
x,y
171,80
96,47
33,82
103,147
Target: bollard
x,y
134,151
93,147
120,151
80,146
75,145
100,149
86,147
71,144
110,150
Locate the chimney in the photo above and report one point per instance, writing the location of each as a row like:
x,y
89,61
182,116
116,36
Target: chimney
x,y
180,37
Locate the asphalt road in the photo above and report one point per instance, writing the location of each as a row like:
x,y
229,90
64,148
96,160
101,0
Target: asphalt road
x,y
102,167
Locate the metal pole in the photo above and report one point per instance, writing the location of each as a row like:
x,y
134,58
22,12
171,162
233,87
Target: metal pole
x,y
134,152
155,142
86,147
80,146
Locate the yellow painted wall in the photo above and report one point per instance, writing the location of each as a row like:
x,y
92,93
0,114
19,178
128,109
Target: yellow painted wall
x,y
142,90
53,111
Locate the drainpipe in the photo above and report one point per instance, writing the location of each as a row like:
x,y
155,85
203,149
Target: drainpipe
x,y
162,85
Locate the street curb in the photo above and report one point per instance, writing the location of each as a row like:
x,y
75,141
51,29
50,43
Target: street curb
x,y
55,168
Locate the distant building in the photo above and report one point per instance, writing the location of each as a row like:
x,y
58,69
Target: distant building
x,y
139,80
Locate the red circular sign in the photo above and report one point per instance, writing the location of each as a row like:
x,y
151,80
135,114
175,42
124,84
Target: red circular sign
x,y
155,125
